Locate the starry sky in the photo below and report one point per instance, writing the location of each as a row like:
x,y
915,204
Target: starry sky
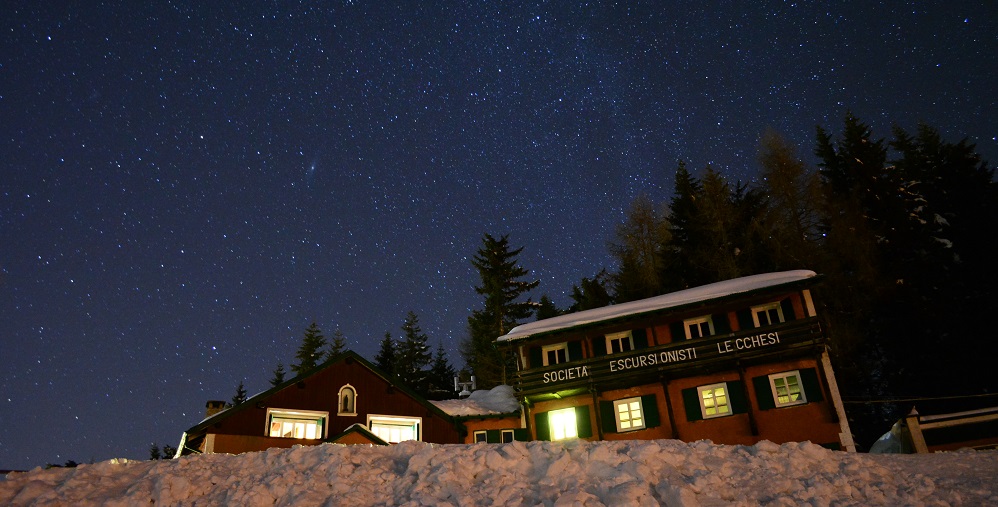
x,y
186,186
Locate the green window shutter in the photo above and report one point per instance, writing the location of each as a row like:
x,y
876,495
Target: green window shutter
x,y
493,436
536,358
736,393
691,400
585,427
788,310
542,426
745,319
599,345
574,351
764,392
812,387
721,324
640,338
649,408
608,417
678,331
521,435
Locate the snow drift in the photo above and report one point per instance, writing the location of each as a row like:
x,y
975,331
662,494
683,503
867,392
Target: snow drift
x,y
662,472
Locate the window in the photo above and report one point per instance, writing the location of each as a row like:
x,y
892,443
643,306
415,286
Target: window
x,y
628,414
506,436
699,327
348,401
481,437
714,400
619,342
300,424
394,429
562,424
555,354
787,389
767,315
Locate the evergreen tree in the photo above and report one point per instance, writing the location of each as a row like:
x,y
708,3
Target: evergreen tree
x,y
311,352
385,360
684,238
154,453
591,293
637,246
502,287
279,374
413,354
546,308
337,345
240,395
790,224
441,377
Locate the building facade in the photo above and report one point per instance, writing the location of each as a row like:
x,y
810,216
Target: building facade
x,y
734,362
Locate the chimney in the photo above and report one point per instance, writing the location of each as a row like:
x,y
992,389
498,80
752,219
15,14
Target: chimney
x,y
213,407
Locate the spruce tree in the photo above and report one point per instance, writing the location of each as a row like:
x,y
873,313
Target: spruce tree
x,y
441,376
279,374
385,360
413,354
337,345
502,288
240,395
311,351
591,293
546,308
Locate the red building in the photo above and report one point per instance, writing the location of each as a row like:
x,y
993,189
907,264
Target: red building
x,y
735,362
344,400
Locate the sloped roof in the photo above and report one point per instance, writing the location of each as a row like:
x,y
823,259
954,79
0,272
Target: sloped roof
x,y
672,300
500,400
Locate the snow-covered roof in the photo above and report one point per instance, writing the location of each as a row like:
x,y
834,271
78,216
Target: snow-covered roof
x,y
495,401
674,299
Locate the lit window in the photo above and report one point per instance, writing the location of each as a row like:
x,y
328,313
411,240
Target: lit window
x,y
348,400
481,437
563,424
394,429
555,354
506,436
629,415
787,389
699,327
767,315
714,400
619,342
299,424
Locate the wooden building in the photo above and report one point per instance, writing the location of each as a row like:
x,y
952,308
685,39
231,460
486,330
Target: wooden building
x,y
344,400
735,362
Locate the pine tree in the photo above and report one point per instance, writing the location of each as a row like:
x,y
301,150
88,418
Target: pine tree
x,y
279,374
637,246
502,288
240,395
154,453
546,308
685,234
385,360
591,293
311,351
337,345
441,377
413,354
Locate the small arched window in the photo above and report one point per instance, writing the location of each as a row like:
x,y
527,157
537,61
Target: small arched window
x,y
348,401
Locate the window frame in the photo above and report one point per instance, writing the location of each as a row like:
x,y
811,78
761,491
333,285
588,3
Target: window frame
x,y
612,337
484,437
504,433
341,395
726,392
800,388
288,415
554,348
414,423
627,403
559,419
765,309
708,319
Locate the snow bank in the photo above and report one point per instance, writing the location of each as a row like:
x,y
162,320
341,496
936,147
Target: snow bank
x,y
662,472
498,400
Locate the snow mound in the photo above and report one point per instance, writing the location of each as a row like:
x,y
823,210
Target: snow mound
x,y
657,472
498,400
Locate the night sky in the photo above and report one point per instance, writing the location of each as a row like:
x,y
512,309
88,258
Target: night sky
x,y
186,186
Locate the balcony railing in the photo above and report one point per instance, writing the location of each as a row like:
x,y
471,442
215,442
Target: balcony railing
x,y
651,362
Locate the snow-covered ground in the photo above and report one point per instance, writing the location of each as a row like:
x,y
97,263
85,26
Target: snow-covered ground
x,y
662,472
